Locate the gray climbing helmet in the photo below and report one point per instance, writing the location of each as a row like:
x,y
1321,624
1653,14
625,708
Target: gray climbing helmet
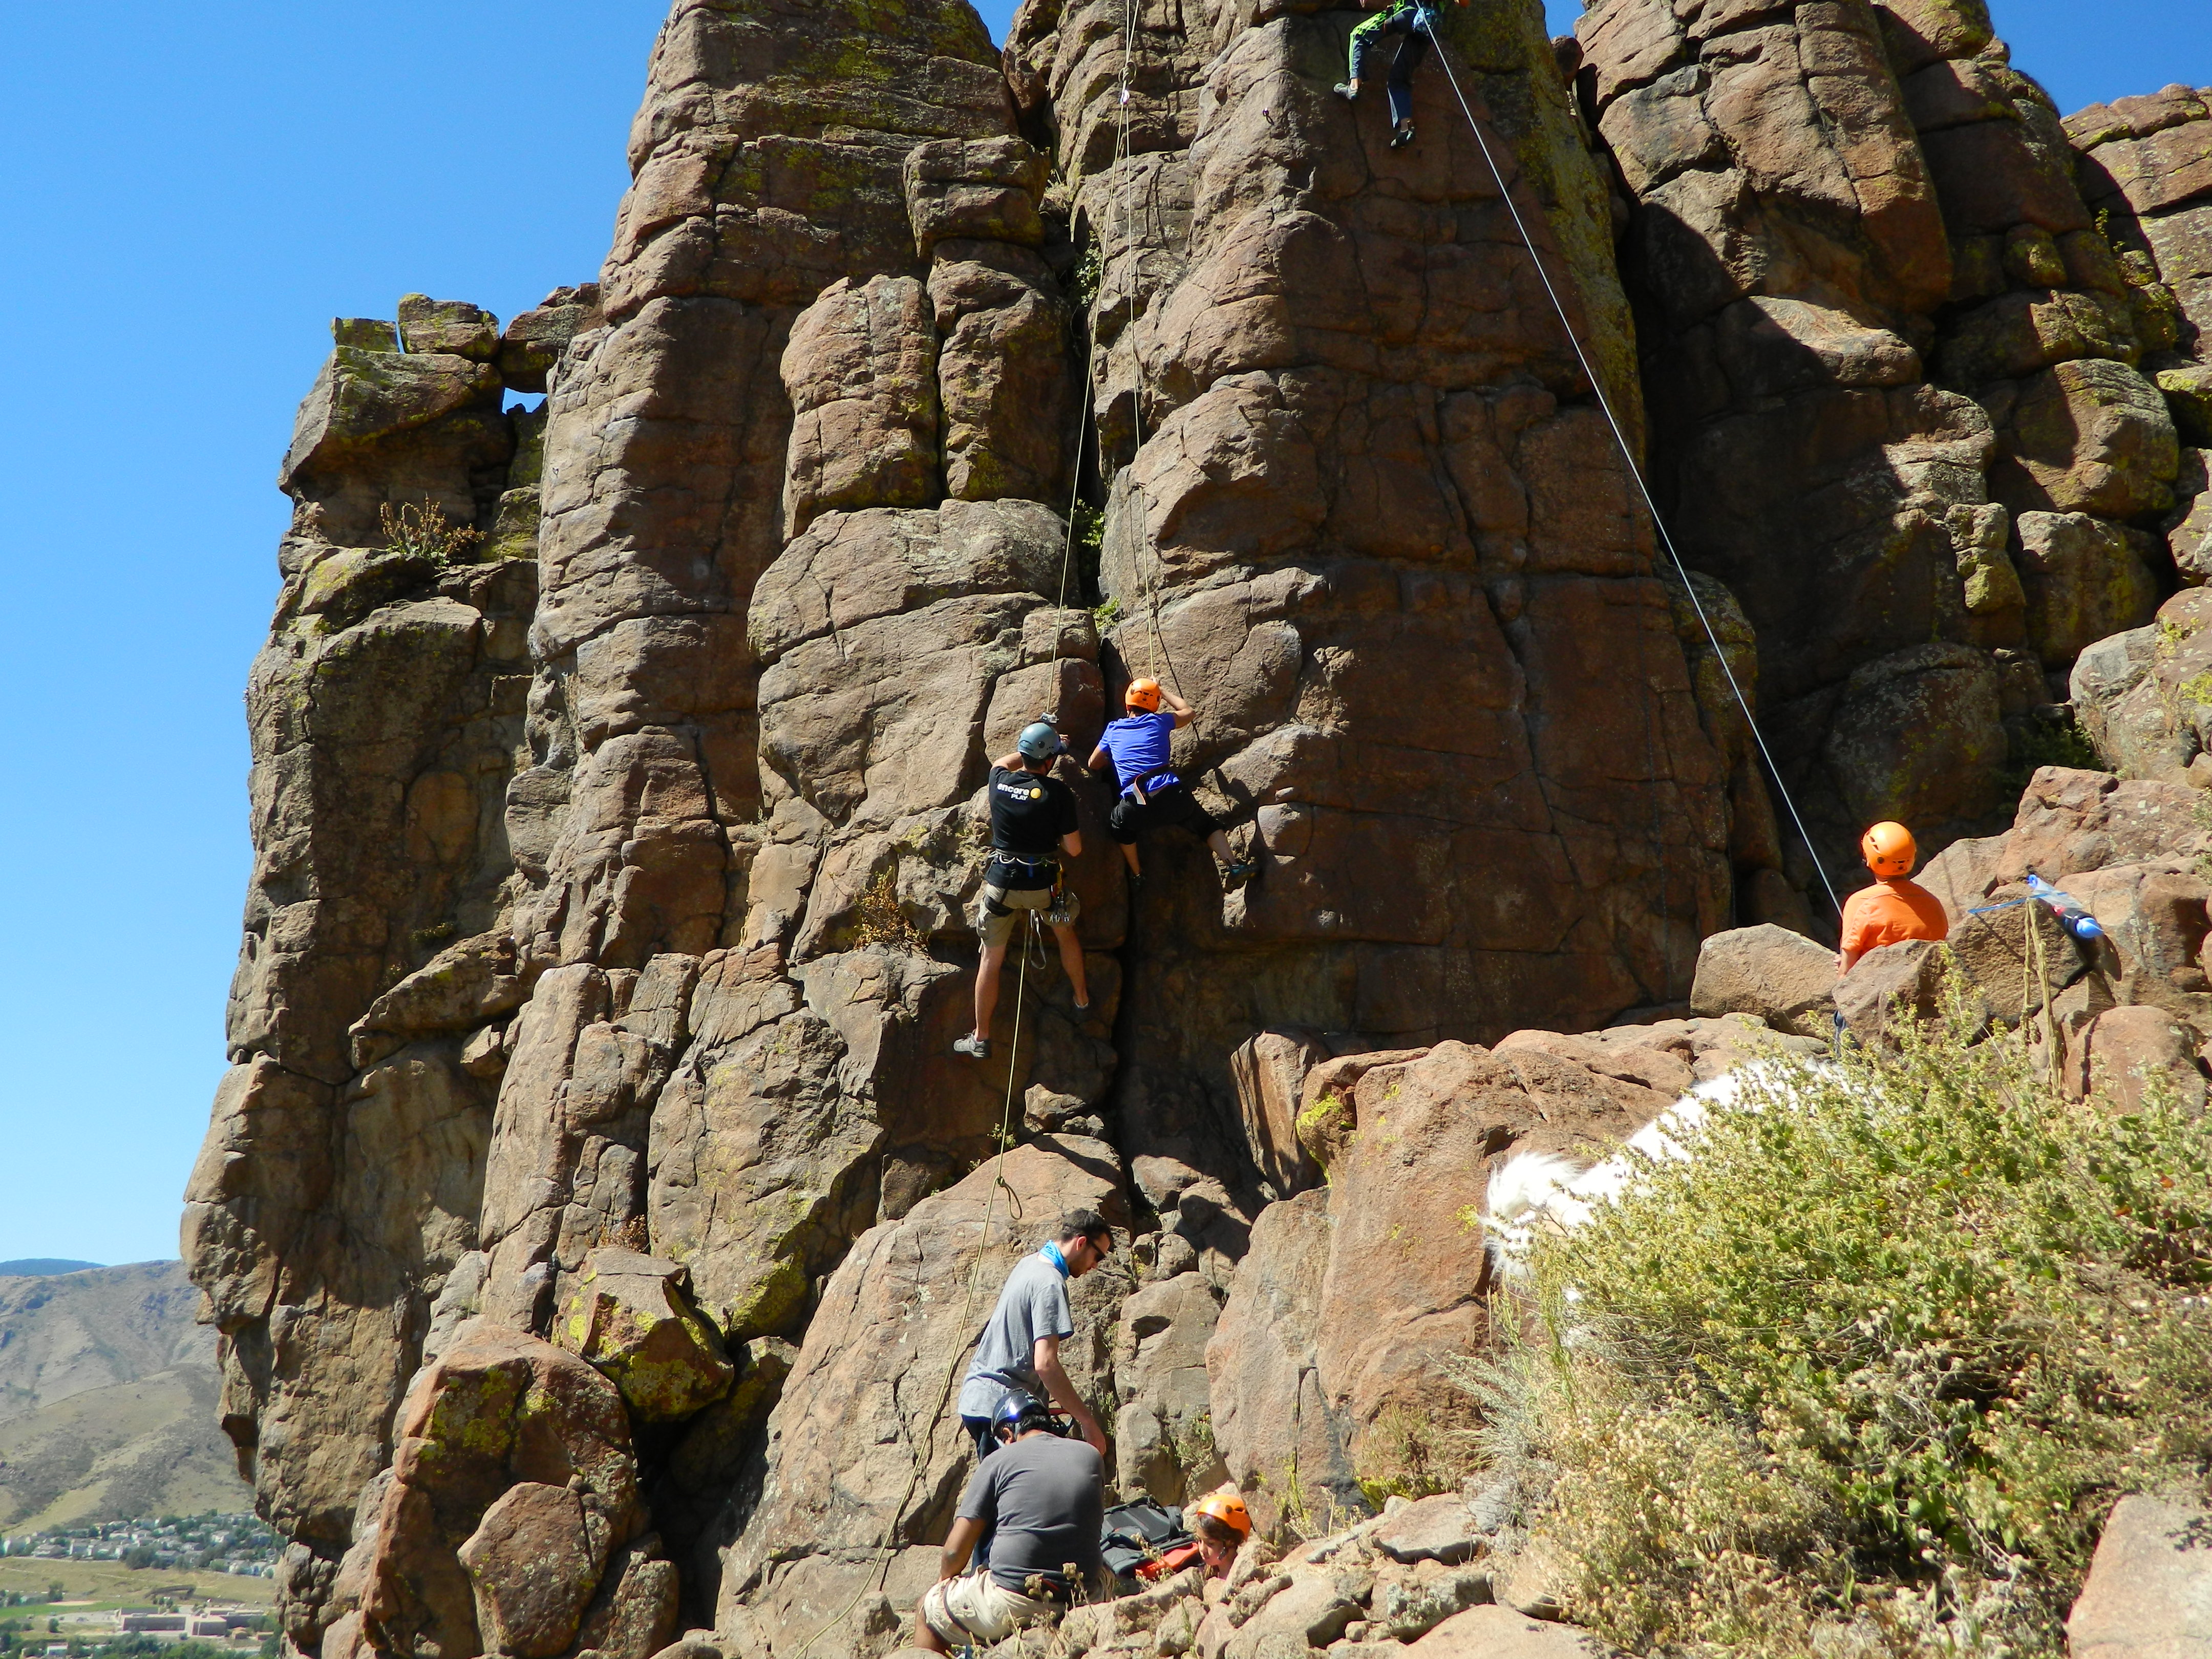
x,y
1039,741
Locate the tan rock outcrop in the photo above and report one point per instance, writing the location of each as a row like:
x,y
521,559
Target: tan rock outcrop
x,y
512,1485
1328,1364
2147,1592
865,1450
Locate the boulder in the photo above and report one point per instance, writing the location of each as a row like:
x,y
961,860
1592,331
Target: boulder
x,y
2123,1049
1409,1601
2154,915
1897,981
632,1315
1285,1444
861,368
1326,1367
2086,579
533,1569
1311,1611
450,326
1919,737
534,340
2149,1589
1783,977
1497,1632
457,989
634,1616
1993,950
511,1484
2092,435
986,189
1163,1433
1438,1528
1270,1072
1002,377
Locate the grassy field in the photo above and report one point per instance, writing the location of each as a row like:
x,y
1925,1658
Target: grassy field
x,y
95,1589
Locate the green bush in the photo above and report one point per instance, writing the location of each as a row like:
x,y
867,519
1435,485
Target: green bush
x,y
1880,1360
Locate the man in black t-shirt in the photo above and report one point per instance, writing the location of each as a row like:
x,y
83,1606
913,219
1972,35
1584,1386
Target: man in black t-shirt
x,y
1033,825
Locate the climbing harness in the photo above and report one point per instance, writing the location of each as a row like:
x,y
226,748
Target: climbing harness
x,y
1628,459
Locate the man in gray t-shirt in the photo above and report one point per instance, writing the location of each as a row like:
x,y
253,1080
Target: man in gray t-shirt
x,y
1020,1347
1044,1496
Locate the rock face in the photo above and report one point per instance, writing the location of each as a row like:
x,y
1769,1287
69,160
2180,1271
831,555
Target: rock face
x,y
2150,1586
1325,1368
1881,322
619,765
865,1453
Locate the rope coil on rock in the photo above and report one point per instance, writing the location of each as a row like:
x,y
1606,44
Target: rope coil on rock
x,y
1627,454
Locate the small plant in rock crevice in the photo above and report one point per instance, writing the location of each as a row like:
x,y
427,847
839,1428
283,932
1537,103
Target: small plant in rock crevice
x,y
423,531
879,918
1866,1374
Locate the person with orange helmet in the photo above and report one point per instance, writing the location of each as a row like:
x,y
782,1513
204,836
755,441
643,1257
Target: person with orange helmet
x,y
1218,1525
1152,793
1221,1524
1893,907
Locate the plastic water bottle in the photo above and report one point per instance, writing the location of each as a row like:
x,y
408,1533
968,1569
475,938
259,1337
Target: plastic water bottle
x,y
2071,913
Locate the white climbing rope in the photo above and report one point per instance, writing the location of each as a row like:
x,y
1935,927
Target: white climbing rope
x,y
1628,456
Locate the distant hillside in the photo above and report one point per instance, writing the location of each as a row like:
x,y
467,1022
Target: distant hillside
x,y
35,1267
107,1399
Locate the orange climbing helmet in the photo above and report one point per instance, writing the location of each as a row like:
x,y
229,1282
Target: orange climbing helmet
x,y
1226,1507
1889,849
1143,693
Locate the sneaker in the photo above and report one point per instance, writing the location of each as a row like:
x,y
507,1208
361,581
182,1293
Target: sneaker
x,y
1402,136
1347,91
1240,872
975,1047
1082,1007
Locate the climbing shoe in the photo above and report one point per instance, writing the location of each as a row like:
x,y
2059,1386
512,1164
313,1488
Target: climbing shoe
x,y
1347,91
1402,136
1239,873
975,1047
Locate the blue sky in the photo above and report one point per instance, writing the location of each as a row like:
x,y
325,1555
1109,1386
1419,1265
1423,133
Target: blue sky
x,y
191,191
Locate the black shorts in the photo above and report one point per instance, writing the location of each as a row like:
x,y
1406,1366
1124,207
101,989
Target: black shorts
x,y
1174,805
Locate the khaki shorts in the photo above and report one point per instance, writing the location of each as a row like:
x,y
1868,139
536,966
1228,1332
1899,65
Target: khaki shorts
x,y
996,930
977,1608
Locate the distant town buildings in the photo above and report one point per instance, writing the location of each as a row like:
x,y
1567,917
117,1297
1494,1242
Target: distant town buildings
x,y
238,1545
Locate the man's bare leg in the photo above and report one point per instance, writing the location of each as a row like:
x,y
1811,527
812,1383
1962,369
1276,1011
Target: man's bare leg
x,y
1070,959
924,1637
987,994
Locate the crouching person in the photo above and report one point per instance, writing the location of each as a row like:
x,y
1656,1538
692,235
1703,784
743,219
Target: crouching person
x,y
1220,1524
1044,1496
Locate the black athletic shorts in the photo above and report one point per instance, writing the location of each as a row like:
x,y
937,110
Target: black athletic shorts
x,y
1174,805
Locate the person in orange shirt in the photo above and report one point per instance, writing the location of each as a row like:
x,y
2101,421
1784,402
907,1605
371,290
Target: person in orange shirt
x,y
1894,909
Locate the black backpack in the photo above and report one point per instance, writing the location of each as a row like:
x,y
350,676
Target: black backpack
x,y
1135,1534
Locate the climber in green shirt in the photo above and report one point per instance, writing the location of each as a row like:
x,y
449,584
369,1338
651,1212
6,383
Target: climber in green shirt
x,y
1415,19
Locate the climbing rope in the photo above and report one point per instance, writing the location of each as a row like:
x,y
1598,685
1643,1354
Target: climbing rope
x,y
874,1581
1627,454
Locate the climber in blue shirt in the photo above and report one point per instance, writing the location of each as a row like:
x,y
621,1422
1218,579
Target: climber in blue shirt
x,y
1152,793
1415,19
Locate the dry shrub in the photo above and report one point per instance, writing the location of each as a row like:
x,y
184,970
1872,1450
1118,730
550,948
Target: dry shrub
x,y
1868,1374
878,918
423,531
